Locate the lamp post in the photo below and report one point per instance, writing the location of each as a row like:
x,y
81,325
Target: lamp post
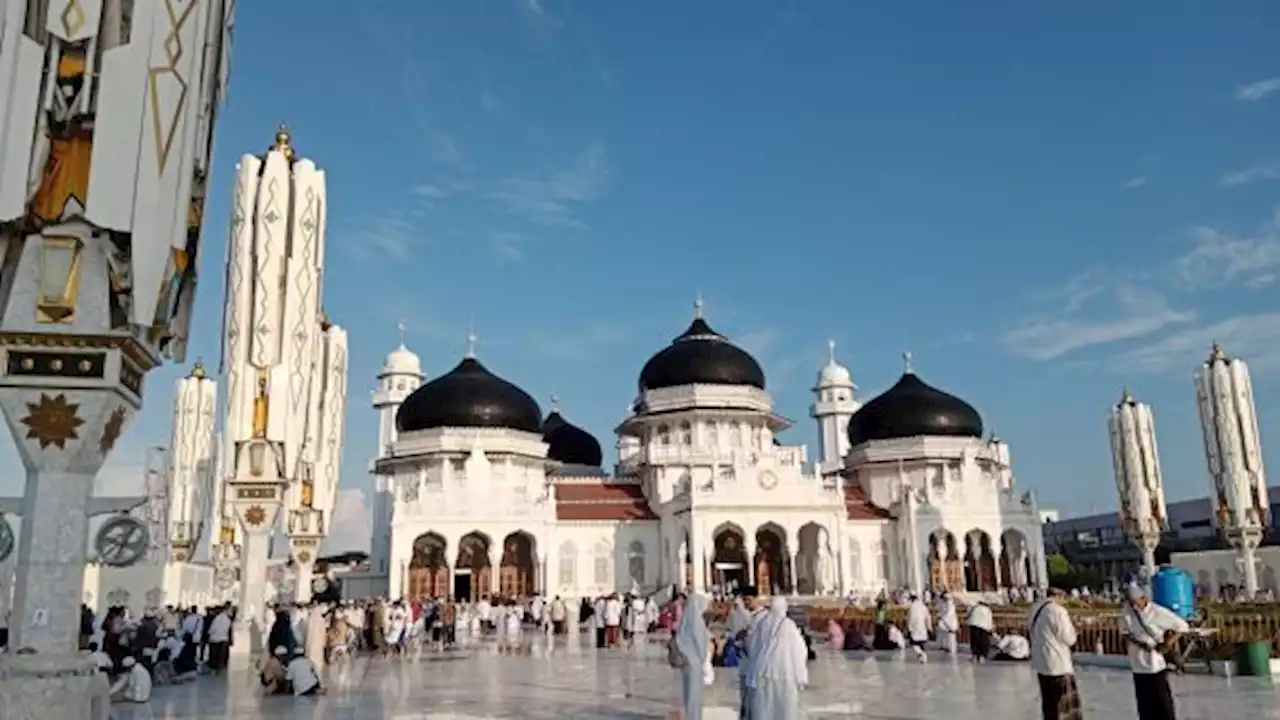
x,y
1237,479
1136,461
102,184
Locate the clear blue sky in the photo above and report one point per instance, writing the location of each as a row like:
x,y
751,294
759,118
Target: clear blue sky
x,y
1044,203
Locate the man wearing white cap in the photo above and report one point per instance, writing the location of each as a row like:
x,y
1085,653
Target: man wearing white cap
x,y
1150,630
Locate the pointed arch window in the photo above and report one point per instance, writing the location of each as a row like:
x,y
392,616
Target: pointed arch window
x,y
686,433
855,561
883,564
635,561
603,574
568,559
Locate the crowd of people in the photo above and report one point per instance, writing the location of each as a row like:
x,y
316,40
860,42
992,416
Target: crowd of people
x,y
760,638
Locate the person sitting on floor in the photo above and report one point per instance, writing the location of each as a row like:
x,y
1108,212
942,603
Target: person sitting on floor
x,y
133,685
1014,648
101,660
184,664
273,674
303,676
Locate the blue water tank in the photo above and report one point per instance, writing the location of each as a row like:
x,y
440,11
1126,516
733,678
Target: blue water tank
x,y
1174,589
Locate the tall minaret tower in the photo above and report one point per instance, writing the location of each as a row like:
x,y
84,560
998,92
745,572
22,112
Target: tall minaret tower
x,y
401,374
835,405
192,488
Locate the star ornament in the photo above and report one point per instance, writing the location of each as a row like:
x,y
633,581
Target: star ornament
x,y
255,515
111,432
53,421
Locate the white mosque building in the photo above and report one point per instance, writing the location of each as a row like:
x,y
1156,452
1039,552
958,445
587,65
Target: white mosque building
x,y
479,493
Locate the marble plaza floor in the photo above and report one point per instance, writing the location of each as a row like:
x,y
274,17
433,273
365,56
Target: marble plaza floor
x,y
571,681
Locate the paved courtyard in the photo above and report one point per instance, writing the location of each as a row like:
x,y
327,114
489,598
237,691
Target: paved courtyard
x,y
569,681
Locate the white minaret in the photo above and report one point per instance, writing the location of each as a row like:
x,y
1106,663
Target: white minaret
x,y
285,370
401,374
192,487
1237,479
835,405
1136,461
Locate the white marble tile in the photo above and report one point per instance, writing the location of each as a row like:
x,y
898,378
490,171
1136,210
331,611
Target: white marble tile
x,y
576,682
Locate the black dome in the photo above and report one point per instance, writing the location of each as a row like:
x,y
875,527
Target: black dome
x,y
911,408
701,356
570,444
469,396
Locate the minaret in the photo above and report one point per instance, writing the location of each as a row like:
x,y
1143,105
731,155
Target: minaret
x,y
835,405
401,374
285,370
192,487
1237,478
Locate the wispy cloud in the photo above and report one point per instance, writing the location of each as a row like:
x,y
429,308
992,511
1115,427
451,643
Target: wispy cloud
x,y
1218,258
553,197
1257,173
391,237
508,246
1092,309
431,192
1134,183
1256,337
1255,91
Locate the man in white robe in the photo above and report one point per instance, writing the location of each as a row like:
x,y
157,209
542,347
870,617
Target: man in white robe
x,y
948,623
919,623
779,665
317,633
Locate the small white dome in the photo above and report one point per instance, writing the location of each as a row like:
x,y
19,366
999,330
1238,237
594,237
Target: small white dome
x,y
833,374
402,361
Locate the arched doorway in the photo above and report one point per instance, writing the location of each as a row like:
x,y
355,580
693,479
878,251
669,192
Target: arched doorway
x,y
471,575
979,563
518,572
772,569
811,565
1015,561
729,560
429,567
946,568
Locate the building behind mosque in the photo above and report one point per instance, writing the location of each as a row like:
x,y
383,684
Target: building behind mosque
x,y
479,492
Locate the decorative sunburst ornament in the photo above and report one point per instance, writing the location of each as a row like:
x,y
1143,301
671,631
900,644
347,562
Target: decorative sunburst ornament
x,y
53,421
255,515
111,432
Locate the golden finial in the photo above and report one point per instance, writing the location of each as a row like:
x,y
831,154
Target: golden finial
x,y
197,370
284,141
1217,353
1126,397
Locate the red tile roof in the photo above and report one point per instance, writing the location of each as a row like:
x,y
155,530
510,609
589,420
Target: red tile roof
x,y
602,501
859,507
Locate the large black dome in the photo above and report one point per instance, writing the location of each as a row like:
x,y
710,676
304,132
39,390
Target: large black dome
x,y
569,444
703,356
469,396
912,408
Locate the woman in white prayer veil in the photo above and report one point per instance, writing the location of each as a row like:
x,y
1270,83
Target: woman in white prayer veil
x,y
693,642
778,665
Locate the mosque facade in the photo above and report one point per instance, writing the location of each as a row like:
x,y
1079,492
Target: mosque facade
x,y
478,492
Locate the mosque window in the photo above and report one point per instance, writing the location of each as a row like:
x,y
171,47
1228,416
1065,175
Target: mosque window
x,y
568,564
735,434
400,385
635,562
602,564
459,469
664,435
713,435
855,561
882,550
686,434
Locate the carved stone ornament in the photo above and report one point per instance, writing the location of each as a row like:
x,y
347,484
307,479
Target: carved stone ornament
x,y
53,420
122,541
319,585
6,538
154,597
255,515
118,597
111,431
304,557
224,578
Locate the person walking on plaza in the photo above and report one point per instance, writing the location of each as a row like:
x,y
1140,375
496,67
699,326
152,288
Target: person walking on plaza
x,y
1149,631
919,623
1052,635
981,626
